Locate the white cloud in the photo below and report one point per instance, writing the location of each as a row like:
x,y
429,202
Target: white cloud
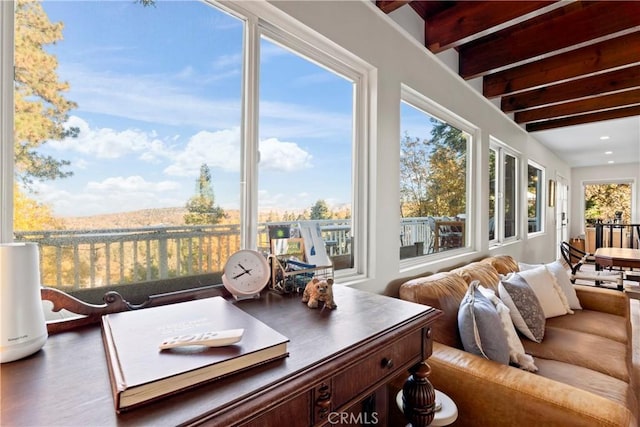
x,y
283,156
154,98
172,99
106,143
221,150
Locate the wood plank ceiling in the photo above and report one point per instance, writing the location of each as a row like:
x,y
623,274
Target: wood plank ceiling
x,y
551,63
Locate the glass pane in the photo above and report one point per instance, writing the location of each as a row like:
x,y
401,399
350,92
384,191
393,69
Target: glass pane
x,y
510,191
534,198
306,151
433,184
145,143
607,203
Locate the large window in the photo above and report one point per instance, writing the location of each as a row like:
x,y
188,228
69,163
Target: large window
x,y
153,142
535,197
503,200
434,159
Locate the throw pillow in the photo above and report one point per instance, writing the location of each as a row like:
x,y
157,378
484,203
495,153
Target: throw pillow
x,y
517,355
480,330
525,309
561,275
552,299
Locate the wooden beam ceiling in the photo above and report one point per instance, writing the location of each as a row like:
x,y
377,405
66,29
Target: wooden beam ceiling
x,y
552,63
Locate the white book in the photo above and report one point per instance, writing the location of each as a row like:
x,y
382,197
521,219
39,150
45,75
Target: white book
x,y
314,247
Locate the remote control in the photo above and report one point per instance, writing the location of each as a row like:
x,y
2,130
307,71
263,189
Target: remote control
x,y
208,339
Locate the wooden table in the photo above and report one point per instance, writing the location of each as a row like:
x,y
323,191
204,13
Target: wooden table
x,y
340,363
617,257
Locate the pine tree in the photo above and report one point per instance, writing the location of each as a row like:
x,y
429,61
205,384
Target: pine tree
x,y
320,210
40,107
201,206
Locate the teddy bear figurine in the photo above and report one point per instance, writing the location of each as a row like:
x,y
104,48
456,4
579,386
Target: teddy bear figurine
x,y
319,290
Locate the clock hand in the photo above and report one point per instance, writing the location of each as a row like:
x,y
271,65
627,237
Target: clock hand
x,y
245,270
241,274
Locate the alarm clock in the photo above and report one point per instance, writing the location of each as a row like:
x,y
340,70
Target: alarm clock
x,y
246,273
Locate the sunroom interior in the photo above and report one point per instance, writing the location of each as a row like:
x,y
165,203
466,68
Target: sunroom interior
x,y
522,156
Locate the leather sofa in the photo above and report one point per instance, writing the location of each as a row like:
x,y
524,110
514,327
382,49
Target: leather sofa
x,y
588,362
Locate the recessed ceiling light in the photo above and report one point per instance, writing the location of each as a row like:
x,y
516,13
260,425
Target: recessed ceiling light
x,y
608,152
610,161
604,137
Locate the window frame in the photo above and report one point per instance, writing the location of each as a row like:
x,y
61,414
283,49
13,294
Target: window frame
x,y
502,150
540,198
431,108
259,18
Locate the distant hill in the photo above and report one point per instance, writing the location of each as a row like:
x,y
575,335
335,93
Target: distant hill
x,y
160,217
132,219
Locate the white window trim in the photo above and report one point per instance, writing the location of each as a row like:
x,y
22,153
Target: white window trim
x,y
315,49
6,120
260,17
502,150
419,101
542,198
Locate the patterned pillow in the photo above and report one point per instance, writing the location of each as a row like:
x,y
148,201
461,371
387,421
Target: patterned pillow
x,y
525,309
480,328
561,275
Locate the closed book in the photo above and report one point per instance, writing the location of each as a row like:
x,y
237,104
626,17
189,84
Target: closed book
x,y
140,372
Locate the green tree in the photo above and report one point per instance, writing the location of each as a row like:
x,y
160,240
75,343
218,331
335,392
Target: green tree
x,y
320,210
602,201
433,173
41,109
201,207
414,162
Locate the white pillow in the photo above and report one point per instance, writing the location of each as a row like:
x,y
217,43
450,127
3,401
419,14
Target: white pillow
x,y
517,355
562,278
547,290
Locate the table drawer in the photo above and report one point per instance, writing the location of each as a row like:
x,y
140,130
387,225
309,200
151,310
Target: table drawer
x,y
377,367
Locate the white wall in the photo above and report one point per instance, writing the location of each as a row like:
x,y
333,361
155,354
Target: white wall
x,y
628,172
399,59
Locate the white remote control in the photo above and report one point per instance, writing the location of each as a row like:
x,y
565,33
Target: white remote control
x,y
208,339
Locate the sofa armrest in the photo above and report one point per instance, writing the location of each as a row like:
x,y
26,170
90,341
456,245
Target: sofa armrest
x,y
605,300
488,393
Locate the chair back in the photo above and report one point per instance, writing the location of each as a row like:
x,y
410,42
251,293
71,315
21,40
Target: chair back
x,y
573,256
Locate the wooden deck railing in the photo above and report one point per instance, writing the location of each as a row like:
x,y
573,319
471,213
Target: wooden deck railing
x,y
80,259
617,235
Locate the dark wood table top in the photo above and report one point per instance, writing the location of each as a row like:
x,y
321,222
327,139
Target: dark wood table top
x,y
619,257
67,383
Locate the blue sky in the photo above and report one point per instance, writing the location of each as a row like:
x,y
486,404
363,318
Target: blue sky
x,y
158,93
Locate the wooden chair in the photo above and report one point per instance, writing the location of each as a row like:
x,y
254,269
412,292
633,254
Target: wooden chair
x,y
576,258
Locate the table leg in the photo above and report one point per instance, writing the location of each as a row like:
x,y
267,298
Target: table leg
x,y
419,396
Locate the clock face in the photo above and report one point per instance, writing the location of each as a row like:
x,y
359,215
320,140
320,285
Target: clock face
x,y
246,272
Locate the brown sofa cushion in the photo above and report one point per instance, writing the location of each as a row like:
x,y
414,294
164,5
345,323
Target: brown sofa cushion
x,y
443,291
589,380
504,264
582,349
481,271
594,322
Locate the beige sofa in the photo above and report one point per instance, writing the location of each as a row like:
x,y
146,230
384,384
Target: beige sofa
x,y
588,368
